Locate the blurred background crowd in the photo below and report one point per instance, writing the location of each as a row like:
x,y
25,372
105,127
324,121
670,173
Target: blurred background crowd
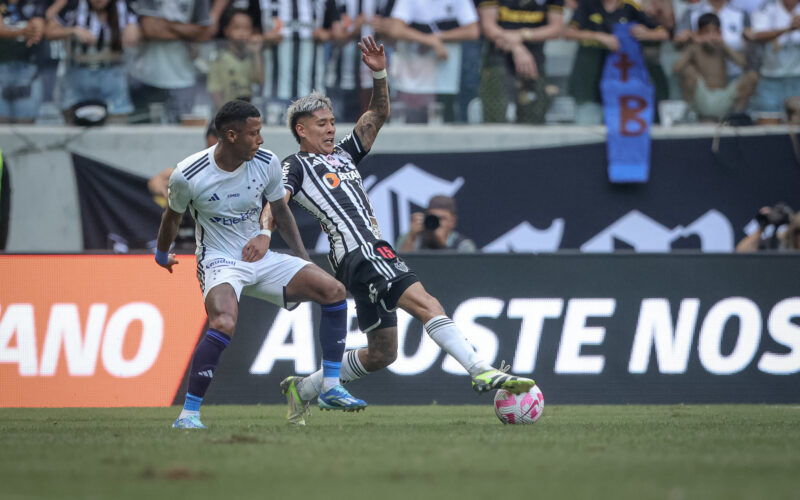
x,y
461,61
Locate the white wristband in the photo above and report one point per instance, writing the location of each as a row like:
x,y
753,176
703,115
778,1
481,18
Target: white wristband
x,y
379,75
266,232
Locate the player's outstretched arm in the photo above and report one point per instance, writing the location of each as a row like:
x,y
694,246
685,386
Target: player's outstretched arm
x,y
376,115
284,222
167,231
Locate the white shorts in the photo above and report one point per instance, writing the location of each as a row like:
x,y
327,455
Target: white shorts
x,y
265,279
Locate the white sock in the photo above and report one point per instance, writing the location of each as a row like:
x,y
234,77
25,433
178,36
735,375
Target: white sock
x,y
310,386
352,369
445,333
329,383
188,413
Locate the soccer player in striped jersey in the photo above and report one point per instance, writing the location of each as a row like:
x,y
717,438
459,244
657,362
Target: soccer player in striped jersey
x,y
323,179
223,187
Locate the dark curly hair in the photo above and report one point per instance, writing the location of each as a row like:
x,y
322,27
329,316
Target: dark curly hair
x,y
234,112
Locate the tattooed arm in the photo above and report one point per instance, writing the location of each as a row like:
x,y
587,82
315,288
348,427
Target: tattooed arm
x,y
373,119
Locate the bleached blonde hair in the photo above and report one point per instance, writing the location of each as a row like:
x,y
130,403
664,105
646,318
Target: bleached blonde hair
x,y
306,106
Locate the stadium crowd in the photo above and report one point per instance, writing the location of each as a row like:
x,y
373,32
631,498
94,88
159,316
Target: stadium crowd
x,y
526,61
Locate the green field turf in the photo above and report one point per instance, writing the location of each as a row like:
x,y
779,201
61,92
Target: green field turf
x,y
410,452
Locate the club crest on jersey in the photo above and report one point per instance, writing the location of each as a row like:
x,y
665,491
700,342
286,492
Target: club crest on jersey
x,y
401,266
333,161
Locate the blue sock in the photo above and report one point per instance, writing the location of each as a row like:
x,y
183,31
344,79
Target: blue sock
x,y
332,338
204,362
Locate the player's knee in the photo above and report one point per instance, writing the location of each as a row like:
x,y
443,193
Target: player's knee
x,y
332,291
224,322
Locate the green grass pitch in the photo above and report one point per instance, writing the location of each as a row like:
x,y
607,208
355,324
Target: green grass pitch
x,y
404,452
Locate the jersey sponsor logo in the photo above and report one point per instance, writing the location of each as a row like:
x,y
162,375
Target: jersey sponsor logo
x,y
231,221
331,180
221,261
233,195
103,333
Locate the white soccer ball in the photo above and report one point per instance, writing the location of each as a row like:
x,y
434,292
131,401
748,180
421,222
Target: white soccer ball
x,y
525,408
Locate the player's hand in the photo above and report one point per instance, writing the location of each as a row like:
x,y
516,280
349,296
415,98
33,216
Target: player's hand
x,y
256,248
373,55
171,261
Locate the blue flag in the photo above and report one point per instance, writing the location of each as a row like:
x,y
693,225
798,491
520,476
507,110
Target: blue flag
x,y
628,98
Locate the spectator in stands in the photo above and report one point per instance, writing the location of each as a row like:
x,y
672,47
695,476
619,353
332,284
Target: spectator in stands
x,y
21,30
426,65
513,60
778,229
660,11
435,229
348,83
238,67
703,76
733,24
164,69
776,25
296,66
592,25
96,31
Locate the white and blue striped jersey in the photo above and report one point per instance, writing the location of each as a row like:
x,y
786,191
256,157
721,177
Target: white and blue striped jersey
x,y
226,206
330,188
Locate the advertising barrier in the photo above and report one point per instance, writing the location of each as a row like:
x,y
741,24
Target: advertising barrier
x,y
607,329
95,330
589,328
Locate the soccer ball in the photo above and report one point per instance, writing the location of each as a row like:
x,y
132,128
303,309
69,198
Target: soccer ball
x,y
523,408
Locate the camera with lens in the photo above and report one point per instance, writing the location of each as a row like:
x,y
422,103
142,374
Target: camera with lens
x,y
431,222
777,216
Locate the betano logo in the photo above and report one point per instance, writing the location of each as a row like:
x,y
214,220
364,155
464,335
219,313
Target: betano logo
x,y
95,330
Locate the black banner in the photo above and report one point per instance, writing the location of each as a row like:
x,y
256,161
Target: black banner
x,y
117,210
545,200
538,200
588,328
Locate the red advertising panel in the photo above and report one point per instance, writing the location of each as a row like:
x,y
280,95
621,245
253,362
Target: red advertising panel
x,y
95,330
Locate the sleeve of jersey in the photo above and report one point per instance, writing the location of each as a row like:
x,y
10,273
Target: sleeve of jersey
x,y
292,175
352,144
179,192
274,191
467,14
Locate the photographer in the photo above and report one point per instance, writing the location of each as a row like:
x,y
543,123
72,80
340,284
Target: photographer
x,y
435,229
778,229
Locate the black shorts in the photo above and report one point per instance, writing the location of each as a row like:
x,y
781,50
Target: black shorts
x,y
376,277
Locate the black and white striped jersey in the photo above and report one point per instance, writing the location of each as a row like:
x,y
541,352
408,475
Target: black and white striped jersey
x,y
330,188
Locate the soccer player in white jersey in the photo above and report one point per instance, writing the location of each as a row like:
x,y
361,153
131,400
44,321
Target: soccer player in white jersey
x,y
223,187
323,179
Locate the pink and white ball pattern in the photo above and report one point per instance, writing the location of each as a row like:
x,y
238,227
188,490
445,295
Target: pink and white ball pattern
x,y
519,409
